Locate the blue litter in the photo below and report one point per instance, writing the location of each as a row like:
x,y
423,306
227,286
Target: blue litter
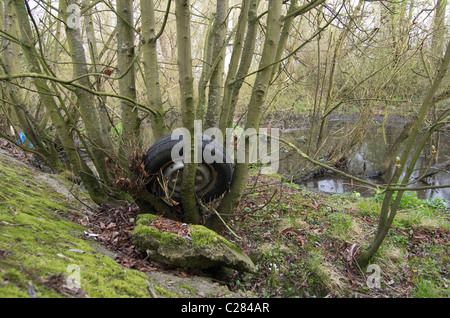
x,y
22,139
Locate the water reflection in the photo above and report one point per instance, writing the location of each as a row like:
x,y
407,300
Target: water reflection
x,y
367,162
330,185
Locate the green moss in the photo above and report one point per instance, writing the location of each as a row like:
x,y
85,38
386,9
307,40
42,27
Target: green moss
x,y
202,236
189,288
145,219
172,239
144,231
36,241
161,291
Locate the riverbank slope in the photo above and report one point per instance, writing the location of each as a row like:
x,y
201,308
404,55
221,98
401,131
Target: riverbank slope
x,y
303,244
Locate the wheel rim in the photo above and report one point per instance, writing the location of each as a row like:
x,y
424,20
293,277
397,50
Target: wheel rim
x,y
173,174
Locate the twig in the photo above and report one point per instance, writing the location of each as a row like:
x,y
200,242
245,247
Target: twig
x,y
16,224
268,185
150,289
218,214
79,200
263,206
31,291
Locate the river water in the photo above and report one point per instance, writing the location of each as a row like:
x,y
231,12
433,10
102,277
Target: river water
x,y
366,161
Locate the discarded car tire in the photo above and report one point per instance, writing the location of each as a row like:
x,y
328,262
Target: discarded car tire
x,y
212,178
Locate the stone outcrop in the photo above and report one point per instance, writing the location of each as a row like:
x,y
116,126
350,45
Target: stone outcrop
x,y
193,246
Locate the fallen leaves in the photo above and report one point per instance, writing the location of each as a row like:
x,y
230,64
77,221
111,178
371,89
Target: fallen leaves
x,y
16,152
167,225
297,235
112,226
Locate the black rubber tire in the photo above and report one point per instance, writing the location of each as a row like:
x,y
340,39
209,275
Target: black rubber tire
x,y
159,157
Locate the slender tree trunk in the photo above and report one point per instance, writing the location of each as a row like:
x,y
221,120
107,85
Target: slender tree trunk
x,y
188,200
219,31
91,183
405,169
331,84
206,67
86,102
10,63
285,33
246,60
277,71
317,95
259,93
105,120
437,50
439,29
234,63
151,70
127,85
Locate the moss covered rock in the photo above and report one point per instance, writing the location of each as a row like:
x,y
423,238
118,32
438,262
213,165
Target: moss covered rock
x,y
192,246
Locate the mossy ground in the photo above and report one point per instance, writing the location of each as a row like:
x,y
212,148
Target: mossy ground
x,y
38,243
44,249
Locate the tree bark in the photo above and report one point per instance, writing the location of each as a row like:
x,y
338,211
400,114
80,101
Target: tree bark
x,y
151,71
91,183
331,84
127,85
206,67
234,64
86,103
218,33
188,198
104,117
27,123
439,29
259,93
244,65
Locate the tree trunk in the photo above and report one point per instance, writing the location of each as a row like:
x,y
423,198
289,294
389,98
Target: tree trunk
x,y
29,126
188,198
331,84
277,71
218,33
86,103
151,71
246,60
105,120
127,85
404,171
259,93
206,67
46,95
439,29
233,66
